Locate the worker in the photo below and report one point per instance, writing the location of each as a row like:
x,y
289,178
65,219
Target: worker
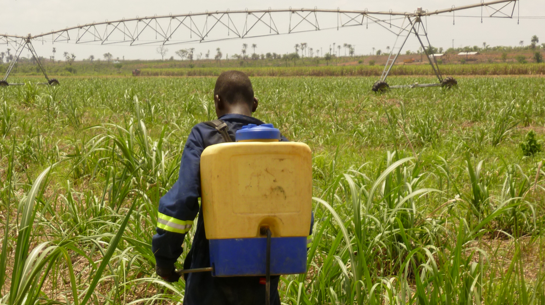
x,y
234,102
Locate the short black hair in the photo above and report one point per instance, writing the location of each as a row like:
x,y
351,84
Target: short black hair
x,y
234,86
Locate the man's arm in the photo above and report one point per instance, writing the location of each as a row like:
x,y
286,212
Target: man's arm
x,y
177,209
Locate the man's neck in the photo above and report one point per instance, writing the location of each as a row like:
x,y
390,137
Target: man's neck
x,y
237,110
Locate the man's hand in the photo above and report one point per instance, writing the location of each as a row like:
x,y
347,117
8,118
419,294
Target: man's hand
x,y
170,275
172,278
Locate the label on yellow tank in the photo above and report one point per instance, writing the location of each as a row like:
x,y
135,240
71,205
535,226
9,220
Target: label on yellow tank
x,y
265,184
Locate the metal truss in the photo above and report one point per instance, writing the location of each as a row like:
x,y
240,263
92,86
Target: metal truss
x,y
240,24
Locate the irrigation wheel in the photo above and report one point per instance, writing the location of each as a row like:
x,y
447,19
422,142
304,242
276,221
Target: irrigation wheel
x,y
3,83
449,82
53,82
381,86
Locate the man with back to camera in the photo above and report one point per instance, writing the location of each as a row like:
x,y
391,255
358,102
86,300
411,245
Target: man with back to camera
x,y
235,102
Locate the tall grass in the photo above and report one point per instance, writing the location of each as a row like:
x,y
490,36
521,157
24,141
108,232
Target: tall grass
x,y
420,196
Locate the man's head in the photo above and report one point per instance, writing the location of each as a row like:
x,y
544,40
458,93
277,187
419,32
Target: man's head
x,y
234,94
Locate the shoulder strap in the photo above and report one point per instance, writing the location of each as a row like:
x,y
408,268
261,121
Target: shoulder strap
x,y
222,128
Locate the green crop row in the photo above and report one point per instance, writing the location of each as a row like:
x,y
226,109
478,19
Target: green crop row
x,y
361,70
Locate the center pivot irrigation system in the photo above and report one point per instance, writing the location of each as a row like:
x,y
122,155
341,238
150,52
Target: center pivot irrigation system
x,y
226,25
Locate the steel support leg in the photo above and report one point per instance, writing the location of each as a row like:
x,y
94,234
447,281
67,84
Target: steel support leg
x,y
391,62
30,47
13,62
433,62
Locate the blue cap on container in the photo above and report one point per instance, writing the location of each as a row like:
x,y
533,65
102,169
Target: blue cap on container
x,y
257,132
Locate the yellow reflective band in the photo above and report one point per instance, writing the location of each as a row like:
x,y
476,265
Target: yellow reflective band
x,y
172,224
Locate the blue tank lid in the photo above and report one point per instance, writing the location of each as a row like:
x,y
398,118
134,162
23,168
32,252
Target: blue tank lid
x,y
257,132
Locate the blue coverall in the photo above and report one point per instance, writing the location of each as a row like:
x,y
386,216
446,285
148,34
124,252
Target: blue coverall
x,y
177,210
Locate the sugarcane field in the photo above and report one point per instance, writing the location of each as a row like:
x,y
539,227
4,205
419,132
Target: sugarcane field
x,y
284,172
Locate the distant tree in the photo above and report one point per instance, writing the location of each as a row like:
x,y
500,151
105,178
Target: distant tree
x,y
218,55
534,41
408,52
268,55
504,56
54,51
327,58
162,50
432,50
190,54
182,53
521,59
521,43
244,47
91,58
339,48
379,52
108,56
345,46
303,48
254,46
255,56
118,66
538,58
297,48
207,54
293,56
351,50
69,57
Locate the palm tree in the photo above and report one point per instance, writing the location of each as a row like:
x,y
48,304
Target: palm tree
x,y
54,51
339,47
345,45
534,41
303,47
218,55
254,46
297,48
108,56
244,46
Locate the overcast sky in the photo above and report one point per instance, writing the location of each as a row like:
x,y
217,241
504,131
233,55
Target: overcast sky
x,y
37,16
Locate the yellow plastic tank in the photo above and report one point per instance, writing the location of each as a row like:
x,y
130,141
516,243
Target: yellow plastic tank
x,y
247,186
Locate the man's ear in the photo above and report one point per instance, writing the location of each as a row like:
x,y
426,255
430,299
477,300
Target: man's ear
x,y
255,104
218,102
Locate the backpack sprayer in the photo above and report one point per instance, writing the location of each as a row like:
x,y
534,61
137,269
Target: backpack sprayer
x,y
257,202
